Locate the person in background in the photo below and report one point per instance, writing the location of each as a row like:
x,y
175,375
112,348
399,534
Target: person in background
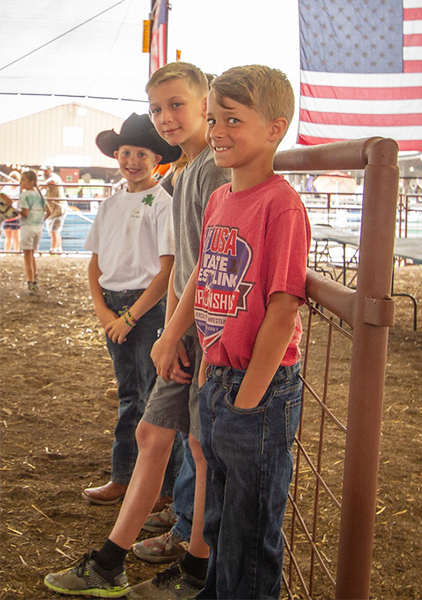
x,y
34,211
57,204
169,179
11,227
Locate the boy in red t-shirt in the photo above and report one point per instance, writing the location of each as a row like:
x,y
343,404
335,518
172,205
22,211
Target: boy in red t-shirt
x,y
245,294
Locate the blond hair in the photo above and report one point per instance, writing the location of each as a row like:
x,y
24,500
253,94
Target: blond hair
x,y
15,175
266,90
179,70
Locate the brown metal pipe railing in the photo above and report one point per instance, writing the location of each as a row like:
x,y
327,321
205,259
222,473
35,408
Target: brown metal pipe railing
x,y
337,298
367,372
352,154
369,311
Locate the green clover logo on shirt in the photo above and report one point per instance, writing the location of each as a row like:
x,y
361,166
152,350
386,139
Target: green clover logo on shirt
x,y
149,199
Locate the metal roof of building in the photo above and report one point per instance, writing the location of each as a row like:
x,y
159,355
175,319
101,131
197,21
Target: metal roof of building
x,y
63,135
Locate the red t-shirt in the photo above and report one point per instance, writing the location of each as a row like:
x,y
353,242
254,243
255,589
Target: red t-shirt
x,y
253,243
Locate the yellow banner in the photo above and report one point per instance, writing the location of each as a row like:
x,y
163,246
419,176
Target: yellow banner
x,y
146,36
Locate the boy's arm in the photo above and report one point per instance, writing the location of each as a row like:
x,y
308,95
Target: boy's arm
x,y
118,329
172,299
102,311
164,354
171,305
270,346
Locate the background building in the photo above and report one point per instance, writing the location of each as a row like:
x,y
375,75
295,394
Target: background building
x,y
63,136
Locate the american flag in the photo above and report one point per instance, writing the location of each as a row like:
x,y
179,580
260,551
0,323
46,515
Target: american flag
x,y
158,50
361,71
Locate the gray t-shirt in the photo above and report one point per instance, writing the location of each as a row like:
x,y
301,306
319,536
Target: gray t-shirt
x,y
192,191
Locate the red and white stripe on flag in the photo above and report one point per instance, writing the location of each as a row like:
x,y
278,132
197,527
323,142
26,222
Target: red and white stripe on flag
x,y
361,73
158,50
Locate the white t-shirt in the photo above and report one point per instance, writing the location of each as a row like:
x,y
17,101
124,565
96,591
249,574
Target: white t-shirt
x,y
35,204
13,192
55,191
130,233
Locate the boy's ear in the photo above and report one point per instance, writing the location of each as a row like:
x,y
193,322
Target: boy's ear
x,y
204,107
158,158
116,153
278,128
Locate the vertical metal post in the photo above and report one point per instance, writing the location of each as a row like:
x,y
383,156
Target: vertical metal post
x,y
367,373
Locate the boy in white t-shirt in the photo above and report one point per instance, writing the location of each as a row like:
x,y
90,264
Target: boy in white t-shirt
x,y
132,246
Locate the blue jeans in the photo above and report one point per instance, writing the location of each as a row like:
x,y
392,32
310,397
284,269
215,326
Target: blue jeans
x,y
135,375
249,469
173,466
184,494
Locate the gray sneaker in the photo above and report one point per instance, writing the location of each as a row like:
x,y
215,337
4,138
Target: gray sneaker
x,y
162,549
172,584
88,579
160,522
32,287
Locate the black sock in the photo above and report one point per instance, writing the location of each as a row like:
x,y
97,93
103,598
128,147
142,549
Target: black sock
x,y
197,567
110,555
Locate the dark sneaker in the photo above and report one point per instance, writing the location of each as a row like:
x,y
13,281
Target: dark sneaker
x,y
172,584
160,522
32,287
89,579
162,549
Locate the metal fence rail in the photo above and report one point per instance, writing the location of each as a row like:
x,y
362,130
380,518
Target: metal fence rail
x,y
80,215
344,210
329,523
321,209
312,522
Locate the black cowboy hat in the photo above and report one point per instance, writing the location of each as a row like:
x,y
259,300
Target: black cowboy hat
x,y
137,130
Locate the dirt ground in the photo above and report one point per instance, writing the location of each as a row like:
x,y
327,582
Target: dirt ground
x,y
57,430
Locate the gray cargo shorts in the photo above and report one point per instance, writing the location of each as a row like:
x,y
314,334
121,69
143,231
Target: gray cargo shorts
x,y
174,405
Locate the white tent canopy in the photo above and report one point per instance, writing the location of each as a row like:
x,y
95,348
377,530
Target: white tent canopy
x,y
56,50
99,54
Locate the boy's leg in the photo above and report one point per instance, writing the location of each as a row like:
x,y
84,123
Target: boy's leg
x,y
135,374
49,225
28,256
215,482
184,494
104,570
16,239
186,576
155,445
56,236
249,472
174,523
197,546
167,404
173,468
189,573
8,239
53,239
34,267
